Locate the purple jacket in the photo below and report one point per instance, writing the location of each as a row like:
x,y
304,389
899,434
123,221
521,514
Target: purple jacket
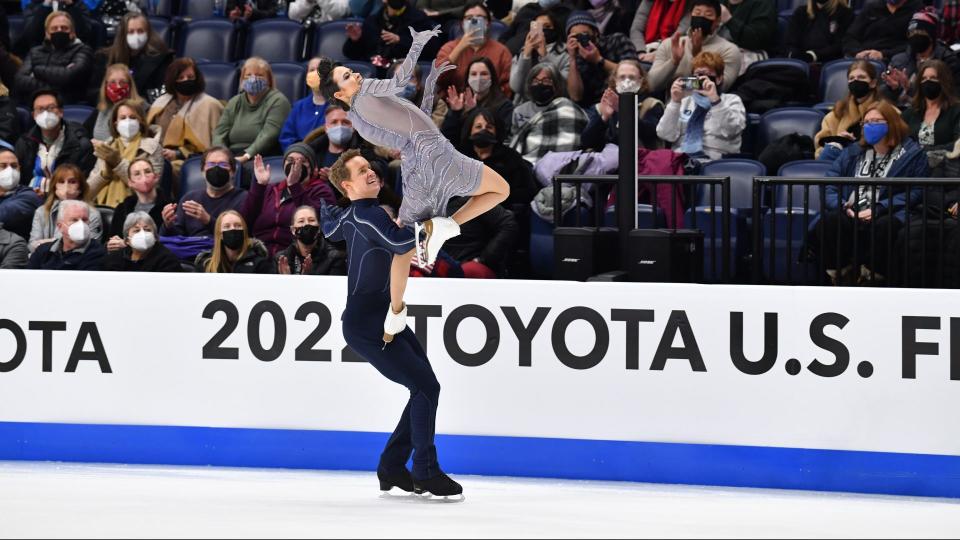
x,y
269,214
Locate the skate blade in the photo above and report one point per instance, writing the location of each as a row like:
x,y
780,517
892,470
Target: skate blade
x,y
442,499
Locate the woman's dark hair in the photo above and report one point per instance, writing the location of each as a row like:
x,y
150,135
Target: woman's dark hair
x,y
176,68
490,118
496,96
477,3
328,87
947,98
119,52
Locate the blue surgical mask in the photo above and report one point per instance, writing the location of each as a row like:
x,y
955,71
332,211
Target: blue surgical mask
x,y
874,133
409,91
254,86
340,135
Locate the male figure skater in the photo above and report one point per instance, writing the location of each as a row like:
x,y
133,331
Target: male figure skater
x,y
373,240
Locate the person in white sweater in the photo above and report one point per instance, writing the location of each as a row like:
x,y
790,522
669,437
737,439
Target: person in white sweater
x,y
703,123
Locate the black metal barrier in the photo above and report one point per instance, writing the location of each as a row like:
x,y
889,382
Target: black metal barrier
x,y
809,231
600,186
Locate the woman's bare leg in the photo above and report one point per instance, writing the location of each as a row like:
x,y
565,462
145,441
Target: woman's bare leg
x,y
493,190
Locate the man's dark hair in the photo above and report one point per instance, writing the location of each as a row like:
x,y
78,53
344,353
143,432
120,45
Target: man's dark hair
x,y
714,4
46,92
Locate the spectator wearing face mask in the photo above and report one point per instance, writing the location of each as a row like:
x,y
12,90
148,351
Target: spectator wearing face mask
x,y
75,249
68,184
252,120
131,138
198,210
385,36
544,43
336,137
516,35
934,116
899,80
140,252
307,114
310,254
234,251
476,42
117,86
611,16
480,92
13,251
841,126
186,114
481,137
140,47
269,208
51,142
703,123
147,198
35,14
603,125
594,55
17,202
675,58
549,121
62,63
655,22
877,31
816,29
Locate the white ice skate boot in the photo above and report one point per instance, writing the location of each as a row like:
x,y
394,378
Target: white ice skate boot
x,y
394,323
438,230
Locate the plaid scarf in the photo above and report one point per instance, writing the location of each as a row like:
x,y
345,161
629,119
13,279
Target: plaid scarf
x,y
949,31
556,128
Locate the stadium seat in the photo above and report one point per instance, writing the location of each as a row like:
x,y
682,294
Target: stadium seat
x,y
223,79
208,40
164,27
824,107
77,113
16,23
191,175
787,7
833,79
197,9
164,8
25,119
291,80
363,68
646,219
328,38
106,220
276,168
791,63
276,40
779,122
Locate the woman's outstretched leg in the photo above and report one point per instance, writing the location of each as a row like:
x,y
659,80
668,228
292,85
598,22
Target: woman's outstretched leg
x,y
493,190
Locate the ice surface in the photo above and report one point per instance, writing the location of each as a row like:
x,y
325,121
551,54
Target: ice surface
x,y
49,500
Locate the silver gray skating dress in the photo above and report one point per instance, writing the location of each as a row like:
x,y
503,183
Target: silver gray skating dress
x,y
433,171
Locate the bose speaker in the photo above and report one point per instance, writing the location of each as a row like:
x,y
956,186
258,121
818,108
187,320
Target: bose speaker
x,y
665,255
582,252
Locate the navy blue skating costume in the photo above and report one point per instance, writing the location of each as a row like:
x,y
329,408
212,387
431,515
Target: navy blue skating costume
x,y
372,240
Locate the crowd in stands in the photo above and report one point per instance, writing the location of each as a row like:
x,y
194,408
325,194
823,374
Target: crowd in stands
x,y
162,176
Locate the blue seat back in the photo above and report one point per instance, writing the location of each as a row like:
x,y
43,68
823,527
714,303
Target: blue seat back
x,y
276,168
197,9
833,79
276,40
290,80
807,168
223,79
25,119
77,113
779,122
329,37
191,175
163,27
208,40
783,63
741,173
16,22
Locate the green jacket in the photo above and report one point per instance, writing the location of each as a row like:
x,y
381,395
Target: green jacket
x,y
752,26
253,129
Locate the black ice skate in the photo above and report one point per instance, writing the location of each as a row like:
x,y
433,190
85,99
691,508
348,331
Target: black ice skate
x,y
400,480
439,486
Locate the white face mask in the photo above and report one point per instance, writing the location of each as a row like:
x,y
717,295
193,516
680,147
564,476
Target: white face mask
x,y
128,128
628,86
9,179
143,241
47,120
136,41
79,232
479,84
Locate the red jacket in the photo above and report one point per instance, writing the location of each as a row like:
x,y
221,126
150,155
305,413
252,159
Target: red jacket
x,y
269,217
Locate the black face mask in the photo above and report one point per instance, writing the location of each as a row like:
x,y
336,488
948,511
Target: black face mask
x,y
233,239
217,177
304,171
919,42
483,139
308,234
931,89
549,35
859,89
703,23
189,87
542,93
60,40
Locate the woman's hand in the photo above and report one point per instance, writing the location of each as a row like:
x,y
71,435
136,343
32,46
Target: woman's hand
x,y
261,171
454,99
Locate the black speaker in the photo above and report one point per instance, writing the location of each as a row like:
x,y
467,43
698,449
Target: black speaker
x,y
665,255
582,252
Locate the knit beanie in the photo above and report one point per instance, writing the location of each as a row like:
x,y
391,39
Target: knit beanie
x,y
926,21
581,17
306,150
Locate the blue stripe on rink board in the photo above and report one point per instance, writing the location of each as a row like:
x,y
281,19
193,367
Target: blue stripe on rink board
x,y
670,463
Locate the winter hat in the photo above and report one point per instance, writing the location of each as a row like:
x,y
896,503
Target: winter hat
x,y
926,21
306,150
581,17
